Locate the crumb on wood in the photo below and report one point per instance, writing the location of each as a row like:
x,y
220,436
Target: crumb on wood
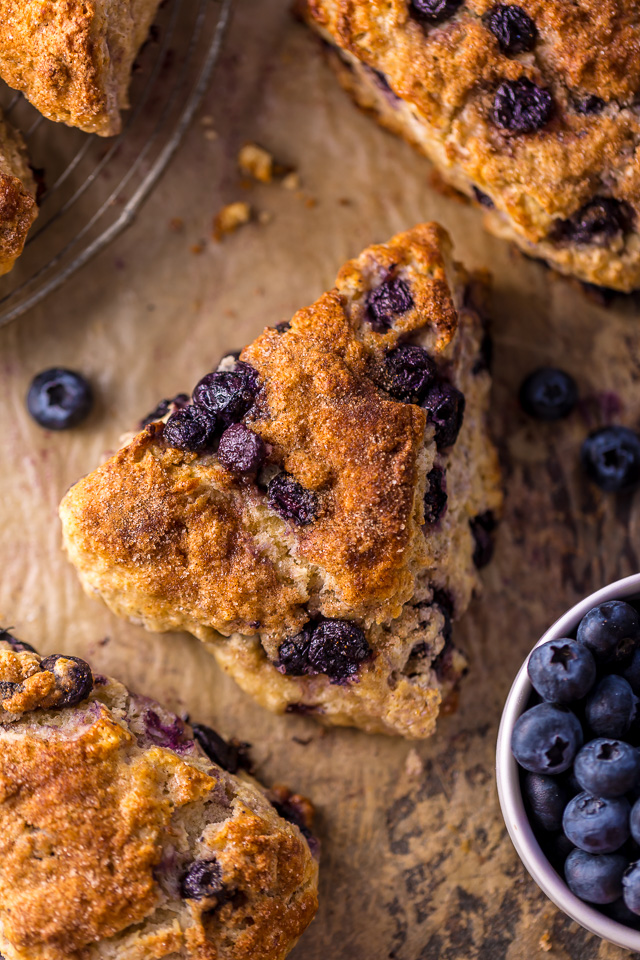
x,y
196,249
104,641
413,765
176,224
207,120
265,217
231,217
545,942
210,134
256,162
291,181
344,201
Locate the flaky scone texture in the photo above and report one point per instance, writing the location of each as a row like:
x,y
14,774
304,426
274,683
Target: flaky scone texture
x,y
121,839
72,58
435,84
173,540
18,208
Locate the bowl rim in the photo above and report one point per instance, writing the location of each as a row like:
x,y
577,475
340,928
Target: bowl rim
x,y
510,794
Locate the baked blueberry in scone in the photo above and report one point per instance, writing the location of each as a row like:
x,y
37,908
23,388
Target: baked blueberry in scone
x,y
73,58
18,208
317,515
530,108
121,838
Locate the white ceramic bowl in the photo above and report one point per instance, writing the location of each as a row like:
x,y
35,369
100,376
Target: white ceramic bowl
x,y
510,795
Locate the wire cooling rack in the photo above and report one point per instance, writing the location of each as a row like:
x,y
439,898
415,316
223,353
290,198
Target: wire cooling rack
x,y
93,187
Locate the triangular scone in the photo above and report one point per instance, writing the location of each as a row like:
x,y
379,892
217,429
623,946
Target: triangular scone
x,y
313,575
18,208
124,833
72,58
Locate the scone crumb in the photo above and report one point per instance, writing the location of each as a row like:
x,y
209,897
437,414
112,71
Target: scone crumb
x,y
413,765
256,162
231,217
264,217
545,942
291,181
176,224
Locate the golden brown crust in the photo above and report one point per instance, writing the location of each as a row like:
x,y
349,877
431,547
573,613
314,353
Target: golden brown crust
x,y
18,208
171,539
444,78
72,58
98,822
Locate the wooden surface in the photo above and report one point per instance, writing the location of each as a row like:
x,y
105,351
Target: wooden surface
x,y
416,862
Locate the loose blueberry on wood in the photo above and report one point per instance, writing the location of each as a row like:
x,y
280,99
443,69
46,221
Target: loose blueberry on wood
x,y
607,768
409,373
520,106
74,680
546,738
612,629
290,500
596,879
59,398
611,459
241,450
547,799
595,824
444,405
190,429
391,299
611,707
562,670
435,498
548,394
514,29
434,11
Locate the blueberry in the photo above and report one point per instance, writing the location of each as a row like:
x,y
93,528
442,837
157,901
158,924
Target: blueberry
x,y
548,394
635,819
562,670
435,498
631,671
409,373
18,646
337,648
631,887
591,104
190,429
228,394
178,402
598,222
203,879
547,799
620,912
482,528
611,459
74,680
444,405
230,756
596,879
59,399
283,327
293,655
483,198
291,501
546,738
522,107
611,707
595,824
607,768
387,301
514,29
434,11
241,450
612,629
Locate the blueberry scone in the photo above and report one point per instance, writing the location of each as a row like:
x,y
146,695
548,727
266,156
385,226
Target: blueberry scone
x,y
528,108
121,838
18,207
317,512
73,58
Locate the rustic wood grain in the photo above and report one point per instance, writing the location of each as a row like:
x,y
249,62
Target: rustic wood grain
x,y
416,862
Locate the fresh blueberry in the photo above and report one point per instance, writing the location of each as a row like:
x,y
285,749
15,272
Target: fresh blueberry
x,y
228,394
619,911
444,405
548,394
607,768
291,501
610,709
231,755
612,629
482,528
73,677
596,825
337,648
562,670
18,646
434,11
409,373
435,498
203,880
547,799
293,655
164,407
546,738
522,107
514,29
483,198
631,671
190,429
596,879
241,450
631,887
635,820
598,222
610,457
59,399
387,301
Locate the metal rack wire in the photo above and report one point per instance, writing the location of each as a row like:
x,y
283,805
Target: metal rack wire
x,y
94,186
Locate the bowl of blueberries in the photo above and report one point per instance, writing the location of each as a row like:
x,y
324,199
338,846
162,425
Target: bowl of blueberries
x,y
568,763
